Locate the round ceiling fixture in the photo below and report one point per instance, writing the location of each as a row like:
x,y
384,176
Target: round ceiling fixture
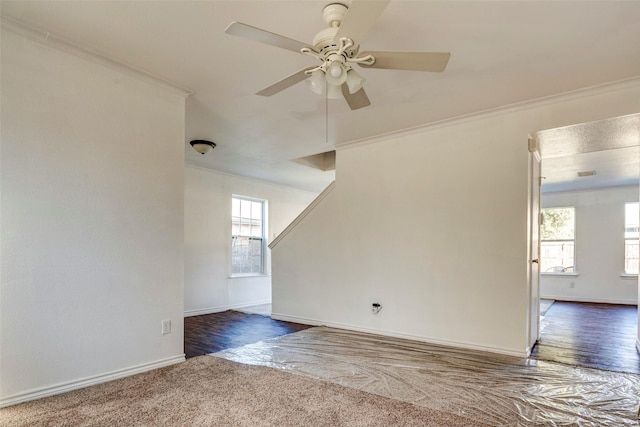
x,y
202,146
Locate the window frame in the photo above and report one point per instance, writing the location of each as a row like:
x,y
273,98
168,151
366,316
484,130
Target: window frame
x,y
264,244
573,268
626,239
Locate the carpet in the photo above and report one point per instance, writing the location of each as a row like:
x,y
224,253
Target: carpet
x,y
208,391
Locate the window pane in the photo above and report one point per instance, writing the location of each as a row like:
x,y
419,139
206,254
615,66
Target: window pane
x,y
256,230
557,257
256,210
558,224
246,255
631,252
245,209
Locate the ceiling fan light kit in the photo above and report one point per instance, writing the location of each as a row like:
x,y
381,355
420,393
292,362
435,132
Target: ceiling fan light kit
x,y
337,48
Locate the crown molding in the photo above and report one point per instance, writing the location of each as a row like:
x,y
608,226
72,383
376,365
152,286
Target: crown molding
x,y
620,85
68,46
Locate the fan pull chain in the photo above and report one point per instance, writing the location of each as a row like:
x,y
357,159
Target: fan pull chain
x,y
326,115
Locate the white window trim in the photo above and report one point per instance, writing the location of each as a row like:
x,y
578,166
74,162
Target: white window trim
x,y
557,274
575,272
265,245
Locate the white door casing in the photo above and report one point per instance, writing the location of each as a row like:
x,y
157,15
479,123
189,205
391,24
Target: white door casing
x,y
535,183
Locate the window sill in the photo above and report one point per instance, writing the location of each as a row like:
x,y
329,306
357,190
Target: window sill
x,y
560,274
247,276
629,276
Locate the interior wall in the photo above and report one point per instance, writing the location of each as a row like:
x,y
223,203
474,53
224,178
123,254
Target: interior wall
x,y
599,248
432,224
208,285
92,196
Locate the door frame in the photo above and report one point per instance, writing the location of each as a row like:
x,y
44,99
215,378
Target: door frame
x,y
533,250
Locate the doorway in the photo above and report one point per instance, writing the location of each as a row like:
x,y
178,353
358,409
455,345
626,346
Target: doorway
x,y
594,168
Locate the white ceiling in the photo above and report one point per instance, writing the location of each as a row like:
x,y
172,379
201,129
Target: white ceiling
x,y
502,53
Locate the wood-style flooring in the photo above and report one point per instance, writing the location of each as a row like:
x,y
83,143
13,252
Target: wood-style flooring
x,y
218,331
601,336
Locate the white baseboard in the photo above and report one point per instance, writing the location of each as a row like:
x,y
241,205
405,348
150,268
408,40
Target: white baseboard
x,y
211,310
39,393
208,310
245,305
315,322
594,300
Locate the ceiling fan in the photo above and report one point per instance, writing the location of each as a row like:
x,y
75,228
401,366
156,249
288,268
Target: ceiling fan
x,y
337,47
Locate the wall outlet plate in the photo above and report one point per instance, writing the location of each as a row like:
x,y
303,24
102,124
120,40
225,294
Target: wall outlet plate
x,y
166,327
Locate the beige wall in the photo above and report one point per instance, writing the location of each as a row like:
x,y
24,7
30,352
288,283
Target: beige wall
x,y
208,285
431,223
92,222
599,248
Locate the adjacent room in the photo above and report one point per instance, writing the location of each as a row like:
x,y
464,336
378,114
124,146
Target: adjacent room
x,y
415,220
589,246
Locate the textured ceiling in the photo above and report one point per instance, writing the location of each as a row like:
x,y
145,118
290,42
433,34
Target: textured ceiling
x,y
609,147
502,53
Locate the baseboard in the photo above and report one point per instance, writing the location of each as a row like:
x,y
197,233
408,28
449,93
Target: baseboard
x,y
211,310
201,311
593,300
41,392
448,343
251,304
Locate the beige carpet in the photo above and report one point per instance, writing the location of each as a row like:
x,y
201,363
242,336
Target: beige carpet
x,y
209,391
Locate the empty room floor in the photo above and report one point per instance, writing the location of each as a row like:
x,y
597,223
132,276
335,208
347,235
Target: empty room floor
x,y
601,336
546,389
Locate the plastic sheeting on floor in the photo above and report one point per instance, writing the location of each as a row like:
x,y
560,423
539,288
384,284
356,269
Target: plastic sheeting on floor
x,y
493,389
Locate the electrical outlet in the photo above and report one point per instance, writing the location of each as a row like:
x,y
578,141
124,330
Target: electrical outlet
x,y
376,307
166,327
572,285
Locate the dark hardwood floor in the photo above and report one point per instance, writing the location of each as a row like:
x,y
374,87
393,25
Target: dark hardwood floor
x,y
218,331
599,336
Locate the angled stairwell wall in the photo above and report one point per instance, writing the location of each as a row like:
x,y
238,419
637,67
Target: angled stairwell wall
x,y
431,223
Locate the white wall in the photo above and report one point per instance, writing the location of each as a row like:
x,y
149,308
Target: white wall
x,y
599,248
431,223
207,223
92,222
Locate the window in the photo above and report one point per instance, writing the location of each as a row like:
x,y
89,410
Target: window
x,y
631,234
247,236
557,240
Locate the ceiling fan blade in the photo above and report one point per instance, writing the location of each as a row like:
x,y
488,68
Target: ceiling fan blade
x,y
360,17
415,61
263,36
288,81
355,100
